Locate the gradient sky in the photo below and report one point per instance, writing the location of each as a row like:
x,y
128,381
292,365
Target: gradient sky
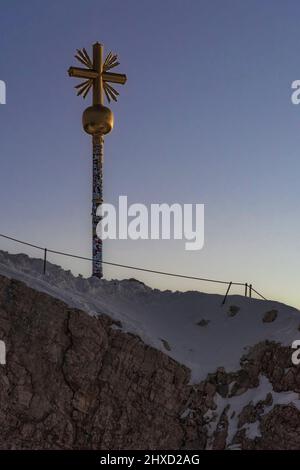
x,y
205,117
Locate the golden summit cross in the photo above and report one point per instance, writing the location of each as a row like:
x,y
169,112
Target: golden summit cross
x,y
97,75
97,120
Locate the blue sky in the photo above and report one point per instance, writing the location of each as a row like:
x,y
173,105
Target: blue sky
x,y
205,117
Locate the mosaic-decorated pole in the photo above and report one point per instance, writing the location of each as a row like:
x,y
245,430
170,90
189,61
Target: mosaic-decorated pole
x,y
97,121
97,200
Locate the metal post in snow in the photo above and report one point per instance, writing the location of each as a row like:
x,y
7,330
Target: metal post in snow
x,y
45,260
227,292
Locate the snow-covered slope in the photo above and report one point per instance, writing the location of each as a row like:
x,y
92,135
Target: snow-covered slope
x,y
166,320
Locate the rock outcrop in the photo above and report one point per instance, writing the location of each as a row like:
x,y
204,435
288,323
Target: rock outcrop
x,y
73,381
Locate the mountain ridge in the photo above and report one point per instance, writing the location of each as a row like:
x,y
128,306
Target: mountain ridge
x,y
76,380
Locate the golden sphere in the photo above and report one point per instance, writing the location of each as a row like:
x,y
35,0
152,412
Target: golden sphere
x,y
97,119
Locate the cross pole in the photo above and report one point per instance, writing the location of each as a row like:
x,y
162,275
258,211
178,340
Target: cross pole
x,y
97,121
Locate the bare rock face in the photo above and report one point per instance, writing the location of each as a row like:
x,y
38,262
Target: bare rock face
x,y
270,316
233,311
281,428
73,381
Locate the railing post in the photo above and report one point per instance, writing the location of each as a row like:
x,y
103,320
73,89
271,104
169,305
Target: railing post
x,y
250,291
45,260
246,289
227,292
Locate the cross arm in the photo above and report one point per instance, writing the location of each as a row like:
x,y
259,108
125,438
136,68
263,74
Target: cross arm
x,y
79,72
114,77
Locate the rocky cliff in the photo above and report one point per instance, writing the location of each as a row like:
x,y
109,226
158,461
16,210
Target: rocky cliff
x,y
73,381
